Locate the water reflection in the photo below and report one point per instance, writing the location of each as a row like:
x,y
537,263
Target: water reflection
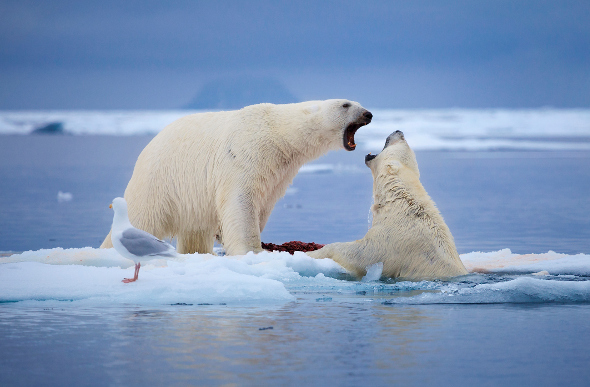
x,y
308,340
338,342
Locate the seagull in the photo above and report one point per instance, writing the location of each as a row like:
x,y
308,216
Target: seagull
x,y
133,243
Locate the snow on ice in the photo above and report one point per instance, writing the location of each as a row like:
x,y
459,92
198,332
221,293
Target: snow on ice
x,y
94,276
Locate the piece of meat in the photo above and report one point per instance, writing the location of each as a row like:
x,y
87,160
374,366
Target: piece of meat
x,y
292,246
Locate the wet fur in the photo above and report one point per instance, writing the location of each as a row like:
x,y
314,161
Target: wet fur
x,y
408,233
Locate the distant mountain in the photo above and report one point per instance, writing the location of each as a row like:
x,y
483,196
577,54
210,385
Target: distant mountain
x,y
235,93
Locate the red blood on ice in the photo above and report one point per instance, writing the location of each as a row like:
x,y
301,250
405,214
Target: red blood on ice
x,y
292,246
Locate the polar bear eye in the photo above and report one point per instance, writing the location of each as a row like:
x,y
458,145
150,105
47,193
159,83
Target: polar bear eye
x,y
346,105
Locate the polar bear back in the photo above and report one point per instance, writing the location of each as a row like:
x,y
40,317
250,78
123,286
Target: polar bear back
x,y
218,175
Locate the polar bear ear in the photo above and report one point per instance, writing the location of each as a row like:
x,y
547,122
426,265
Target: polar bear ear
x,y
311,109
393,167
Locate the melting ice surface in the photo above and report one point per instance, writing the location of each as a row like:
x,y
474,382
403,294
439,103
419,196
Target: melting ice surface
x,y
91,276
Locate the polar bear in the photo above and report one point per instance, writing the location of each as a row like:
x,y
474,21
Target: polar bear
x,y
408,234
219,175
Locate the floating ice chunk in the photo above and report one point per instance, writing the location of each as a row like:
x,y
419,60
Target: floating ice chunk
x,y
64,197
373,272
519,290
93,275
504,261
157,286
541,273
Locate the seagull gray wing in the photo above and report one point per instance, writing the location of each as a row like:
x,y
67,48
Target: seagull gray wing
x,y
142,244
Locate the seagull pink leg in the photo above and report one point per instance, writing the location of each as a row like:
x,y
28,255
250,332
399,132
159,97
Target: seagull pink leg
x,y
127,280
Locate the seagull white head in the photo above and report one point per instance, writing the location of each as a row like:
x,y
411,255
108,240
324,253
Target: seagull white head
x,y
118,204
121,218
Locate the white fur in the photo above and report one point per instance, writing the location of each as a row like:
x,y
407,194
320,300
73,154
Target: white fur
x,y
220,174
408,233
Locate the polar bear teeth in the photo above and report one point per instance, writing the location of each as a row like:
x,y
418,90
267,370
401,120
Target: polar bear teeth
x,y
349,132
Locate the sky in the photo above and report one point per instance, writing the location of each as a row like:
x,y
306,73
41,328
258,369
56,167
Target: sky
x,y
383,54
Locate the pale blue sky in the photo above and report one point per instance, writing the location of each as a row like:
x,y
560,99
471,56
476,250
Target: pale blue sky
x,y
398,54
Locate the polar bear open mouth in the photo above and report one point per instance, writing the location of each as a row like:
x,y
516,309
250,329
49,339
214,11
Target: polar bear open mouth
x,y
368,158
349,132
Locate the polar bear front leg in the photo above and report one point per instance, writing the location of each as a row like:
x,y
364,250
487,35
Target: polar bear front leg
x,y
349,255
240,225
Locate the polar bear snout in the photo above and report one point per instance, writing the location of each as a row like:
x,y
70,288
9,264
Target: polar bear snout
x,y
364,118
394,137
368,158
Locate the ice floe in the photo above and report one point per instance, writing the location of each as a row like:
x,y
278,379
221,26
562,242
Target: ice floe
x,y
94,276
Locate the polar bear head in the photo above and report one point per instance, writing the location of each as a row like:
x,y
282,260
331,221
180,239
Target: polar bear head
x,y
342,118
395,158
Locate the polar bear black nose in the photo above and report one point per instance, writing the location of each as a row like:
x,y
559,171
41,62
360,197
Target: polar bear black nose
x,y
368,115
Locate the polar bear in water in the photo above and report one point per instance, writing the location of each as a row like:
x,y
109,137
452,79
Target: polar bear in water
x,y
408,235
220,174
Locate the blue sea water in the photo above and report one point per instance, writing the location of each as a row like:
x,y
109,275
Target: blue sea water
x,y
378,333
528,201
347,343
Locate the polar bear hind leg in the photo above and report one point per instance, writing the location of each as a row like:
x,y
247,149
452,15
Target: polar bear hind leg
x,y
196,242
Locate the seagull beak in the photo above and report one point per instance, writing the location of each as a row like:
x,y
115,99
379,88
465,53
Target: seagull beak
x,y
111,205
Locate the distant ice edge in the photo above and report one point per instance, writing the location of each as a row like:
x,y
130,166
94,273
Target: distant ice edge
x,y
434,129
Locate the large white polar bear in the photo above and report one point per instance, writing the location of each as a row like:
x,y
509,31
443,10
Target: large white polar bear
x,y
408,234
220,174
